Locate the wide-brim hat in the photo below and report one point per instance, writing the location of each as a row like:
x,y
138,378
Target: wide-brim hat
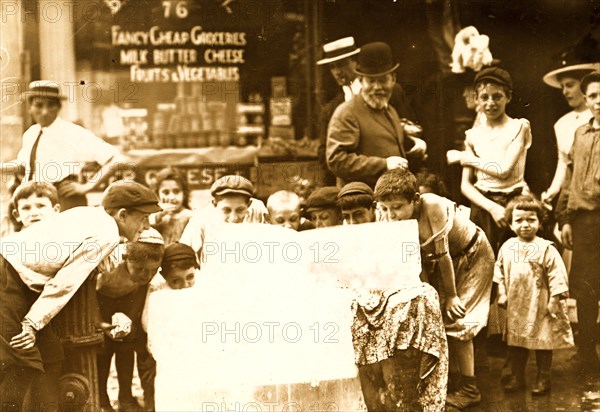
x,y
43,88
551,78
375,59
581,57
338,50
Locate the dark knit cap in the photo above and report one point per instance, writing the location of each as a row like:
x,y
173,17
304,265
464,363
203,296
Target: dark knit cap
x,y
176,252
494,75
355,188
587,79
322,198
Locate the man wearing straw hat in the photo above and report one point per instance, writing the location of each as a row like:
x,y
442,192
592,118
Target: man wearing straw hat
x,y
365,136
55,150
340,58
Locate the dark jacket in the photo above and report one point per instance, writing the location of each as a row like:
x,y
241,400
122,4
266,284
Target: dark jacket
x,y
359,140
398,101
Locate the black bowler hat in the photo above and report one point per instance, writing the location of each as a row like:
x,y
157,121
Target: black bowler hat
x,y
375,59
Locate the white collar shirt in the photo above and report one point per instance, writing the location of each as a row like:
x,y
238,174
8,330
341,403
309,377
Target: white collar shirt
x,y
64,148
352,90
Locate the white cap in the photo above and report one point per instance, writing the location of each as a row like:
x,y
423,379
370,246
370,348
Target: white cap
x,y
152,236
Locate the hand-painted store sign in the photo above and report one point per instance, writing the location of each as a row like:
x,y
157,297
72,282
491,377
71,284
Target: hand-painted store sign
x,y
171,48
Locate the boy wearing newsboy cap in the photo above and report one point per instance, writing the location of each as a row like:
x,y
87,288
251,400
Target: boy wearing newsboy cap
x,y
232,202
321,207
356,204
42,267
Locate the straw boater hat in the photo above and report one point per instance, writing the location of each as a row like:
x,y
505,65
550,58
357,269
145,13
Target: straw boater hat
x,y
43,88
375,59
338,50
583,57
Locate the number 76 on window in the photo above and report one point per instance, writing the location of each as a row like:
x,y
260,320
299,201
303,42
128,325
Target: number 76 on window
x,y
175,8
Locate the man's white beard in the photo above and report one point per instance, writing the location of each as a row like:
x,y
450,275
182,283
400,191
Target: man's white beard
x,y
376,102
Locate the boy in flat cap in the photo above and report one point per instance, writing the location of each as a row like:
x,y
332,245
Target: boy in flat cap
x,y
231,196
178,266
178,270
42,267
321,207
355,201
232,202
494,159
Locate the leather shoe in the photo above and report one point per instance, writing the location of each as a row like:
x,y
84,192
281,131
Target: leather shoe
x,y
541,387
514,385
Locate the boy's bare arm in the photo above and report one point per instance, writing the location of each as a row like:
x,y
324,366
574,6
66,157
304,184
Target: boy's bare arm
x,y
75,188
503,166
438,218
477,198
499,281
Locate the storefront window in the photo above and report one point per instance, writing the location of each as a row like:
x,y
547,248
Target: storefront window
x,y
178,72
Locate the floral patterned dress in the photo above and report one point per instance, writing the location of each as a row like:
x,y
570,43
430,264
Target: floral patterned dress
x,y
399,336
530,273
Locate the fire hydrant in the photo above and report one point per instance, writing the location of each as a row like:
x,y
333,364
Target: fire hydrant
x,y
81,338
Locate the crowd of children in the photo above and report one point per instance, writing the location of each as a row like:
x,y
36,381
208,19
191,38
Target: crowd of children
x,y
493,265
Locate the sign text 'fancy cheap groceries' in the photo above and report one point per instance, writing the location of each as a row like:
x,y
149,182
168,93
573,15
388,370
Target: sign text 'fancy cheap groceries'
x,y
194,55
